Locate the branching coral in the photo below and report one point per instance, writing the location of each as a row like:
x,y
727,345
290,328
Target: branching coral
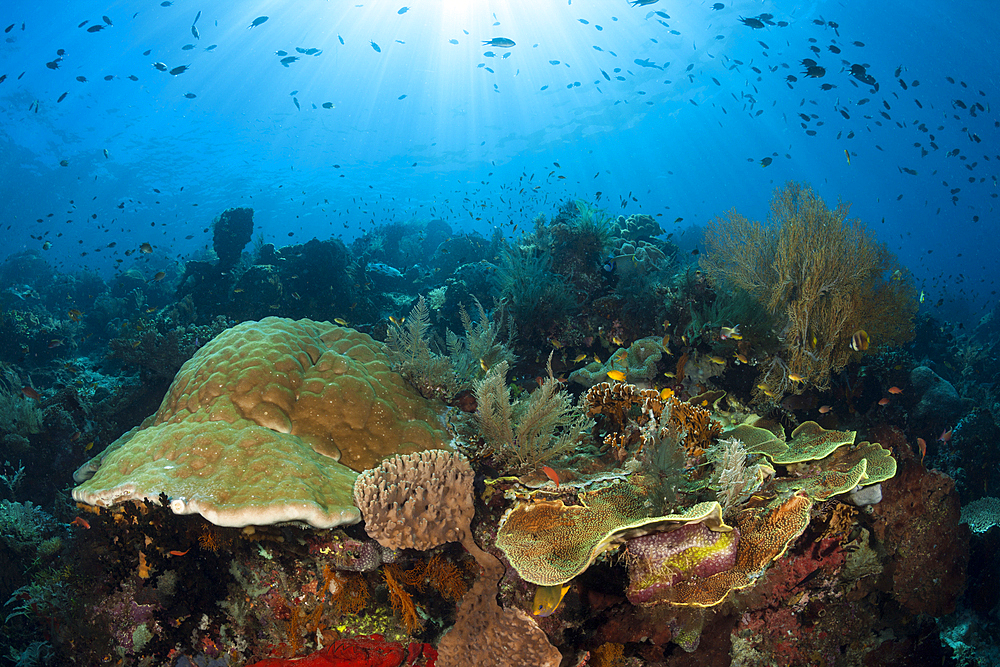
x,y
825,274
411,355
532,430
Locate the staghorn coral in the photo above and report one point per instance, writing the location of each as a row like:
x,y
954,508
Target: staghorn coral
x,y
824,274
267,423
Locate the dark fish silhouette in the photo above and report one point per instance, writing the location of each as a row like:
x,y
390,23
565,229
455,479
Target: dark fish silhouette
x,y
107,20
190,96
95,28
62,97
752,22
194,31
500,42
403,10
257,21
287,60
160,66
180,69
377,48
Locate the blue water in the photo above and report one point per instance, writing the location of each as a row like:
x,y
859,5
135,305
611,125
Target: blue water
x,y
422,127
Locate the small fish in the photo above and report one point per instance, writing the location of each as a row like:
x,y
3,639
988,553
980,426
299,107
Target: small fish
x,y
55,342
555,343
482,364
597,359
178,553
847,154
885,401
922,445
795,377
895,390
197,16
160,275
766,162
287,60
547,598
341,39
194,31
295,100
823,409
46,245
945,435
741,358
617,341
180,69
97,27
767,390
580,357
31,393
616,375
551,474
717,360
375,46
500,42
860,340
257,21
80,522
341,321
75,315
669,374
327,105
731,332
403,10
62,97
190,96
145,249
666,393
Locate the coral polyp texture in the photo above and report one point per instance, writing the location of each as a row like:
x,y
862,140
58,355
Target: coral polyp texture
x,y
661,560
268,423
417,501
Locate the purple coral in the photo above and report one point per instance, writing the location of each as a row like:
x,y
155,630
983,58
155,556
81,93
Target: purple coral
x,y
658,561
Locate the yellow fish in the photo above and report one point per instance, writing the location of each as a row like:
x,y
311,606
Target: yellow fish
x,y
597,359
342,322
795,377
616,375
547,599
742,359
617,341
717,360
669,374
482,364
580,357
666,393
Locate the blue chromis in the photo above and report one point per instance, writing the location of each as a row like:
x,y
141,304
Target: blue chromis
x,y
547,599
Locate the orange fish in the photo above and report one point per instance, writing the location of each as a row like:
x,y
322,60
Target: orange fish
x,y
551,474
179,553
945,435
81,522
922,444
31,393
823,409
895,390
884,401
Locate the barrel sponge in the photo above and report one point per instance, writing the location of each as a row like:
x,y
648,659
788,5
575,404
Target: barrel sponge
x,y
417,501
269,422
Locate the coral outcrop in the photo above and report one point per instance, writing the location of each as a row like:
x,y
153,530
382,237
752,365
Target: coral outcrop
x,y
268,423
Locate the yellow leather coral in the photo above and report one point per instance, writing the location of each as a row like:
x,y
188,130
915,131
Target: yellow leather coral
x,y
268,422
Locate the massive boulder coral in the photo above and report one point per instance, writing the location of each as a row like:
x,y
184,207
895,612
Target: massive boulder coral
x,y
269,422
